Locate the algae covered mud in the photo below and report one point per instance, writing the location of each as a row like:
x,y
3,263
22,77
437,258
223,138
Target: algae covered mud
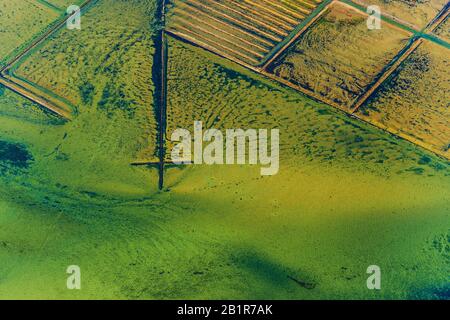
x,y
347,195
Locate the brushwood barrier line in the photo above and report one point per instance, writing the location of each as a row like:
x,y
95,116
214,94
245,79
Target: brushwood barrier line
x,y
160,82
39,90
163,122
440,17
41,97
35,98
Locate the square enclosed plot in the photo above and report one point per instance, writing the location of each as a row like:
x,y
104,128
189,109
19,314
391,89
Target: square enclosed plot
x,y
338,57
20,21
106,67
415,101
415,13
243,30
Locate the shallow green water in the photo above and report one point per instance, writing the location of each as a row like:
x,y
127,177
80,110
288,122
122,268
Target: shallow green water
x,y
347,196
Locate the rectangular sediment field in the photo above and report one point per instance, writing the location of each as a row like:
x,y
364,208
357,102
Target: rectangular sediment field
x,y
338,58
243,30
